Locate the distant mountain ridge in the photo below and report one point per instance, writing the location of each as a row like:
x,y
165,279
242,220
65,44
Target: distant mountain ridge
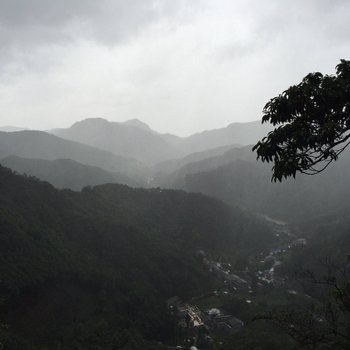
x,y
132,139
41,145
171,165
137,123
9,128
130,152
174,173
235,133
125,150
238,179
65,173
135,139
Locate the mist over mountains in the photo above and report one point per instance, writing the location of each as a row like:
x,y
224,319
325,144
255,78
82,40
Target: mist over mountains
x,y
132,150
11,128
134,139
248,184
112,219
219,163
41,145
139,145
65,173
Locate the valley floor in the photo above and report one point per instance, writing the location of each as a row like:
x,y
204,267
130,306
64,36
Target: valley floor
x,y
207,319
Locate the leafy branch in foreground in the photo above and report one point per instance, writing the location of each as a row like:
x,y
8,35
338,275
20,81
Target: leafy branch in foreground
x,y
312,121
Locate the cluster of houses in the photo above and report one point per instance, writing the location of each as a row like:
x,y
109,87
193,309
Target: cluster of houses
x,y
190,316
220,320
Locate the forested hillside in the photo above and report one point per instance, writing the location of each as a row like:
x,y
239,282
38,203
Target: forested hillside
x,y
80,268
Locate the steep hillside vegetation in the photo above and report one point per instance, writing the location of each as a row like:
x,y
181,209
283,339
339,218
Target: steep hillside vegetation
x,y
91,269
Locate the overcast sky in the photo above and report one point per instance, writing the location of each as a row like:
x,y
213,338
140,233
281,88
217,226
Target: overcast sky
x,y
180,66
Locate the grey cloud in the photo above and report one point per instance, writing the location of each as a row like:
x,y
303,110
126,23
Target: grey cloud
x,y
27,25
293,24
109,20
181,65
22,13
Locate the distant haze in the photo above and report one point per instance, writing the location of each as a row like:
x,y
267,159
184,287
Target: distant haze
x,y
180,66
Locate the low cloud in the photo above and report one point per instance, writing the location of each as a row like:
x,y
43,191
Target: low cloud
x,y
180,66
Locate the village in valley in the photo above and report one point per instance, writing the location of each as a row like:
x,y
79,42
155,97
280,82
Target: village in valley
x,y
204,320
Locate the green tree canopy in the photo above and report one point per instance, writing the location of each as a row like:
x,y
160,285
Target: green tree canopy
x,y
312,122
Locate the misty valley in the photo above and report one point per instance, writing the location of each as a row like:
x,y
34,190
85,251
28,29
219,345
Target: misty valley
x,y
174,175
116,236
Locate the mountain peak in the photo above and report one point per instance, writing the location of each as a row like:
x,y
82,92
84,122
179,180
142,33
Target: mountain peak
x,y
138,123
91,121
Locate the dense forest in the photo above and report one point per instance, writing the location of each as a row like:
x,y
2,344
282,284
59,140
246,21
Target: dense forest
x,y
92,269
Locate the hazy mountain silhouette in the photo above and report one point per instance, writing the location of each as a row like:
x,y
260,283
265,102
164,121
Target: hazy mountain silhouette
x,y
132,139
237,178
41,145
202,161
138,124
9,128
64,173
171,165
135,139
235,133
